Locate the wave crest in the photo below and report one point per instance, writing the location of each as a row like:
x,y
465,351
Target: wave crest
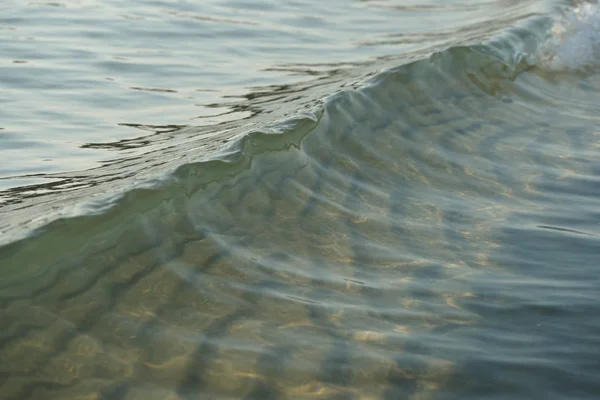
x,y
575,40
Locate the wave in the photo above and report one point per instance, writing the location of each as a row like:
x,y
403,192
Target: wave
x,y
562,38
421,207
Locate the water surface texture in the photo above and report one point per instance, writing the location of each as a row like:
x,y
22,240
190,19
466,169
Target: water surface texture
x,y
390,200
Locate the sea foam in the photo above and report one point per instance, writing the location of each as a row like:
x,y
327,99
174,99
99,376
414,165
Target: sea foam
x,y
575,40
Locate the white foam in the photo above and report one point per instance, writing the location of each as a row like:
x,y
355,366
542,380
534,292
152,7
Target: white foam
x,y
575,40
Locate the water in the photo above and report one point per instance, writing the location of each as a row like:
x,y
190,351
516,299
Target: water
x,y
390,200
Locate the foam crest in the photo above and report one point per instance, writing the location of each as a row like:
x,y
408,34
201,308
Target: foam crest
x,y
575,40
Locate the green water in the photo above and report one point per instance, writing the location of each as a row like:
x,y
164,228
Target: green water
x,y
428,231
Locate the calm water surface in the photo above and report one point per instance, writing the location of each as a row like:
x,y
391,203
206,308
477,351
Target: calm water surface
x,y
299,200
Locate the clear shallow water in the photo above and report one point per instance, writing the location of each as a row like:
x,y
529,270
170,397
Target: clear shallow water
x,y
429,230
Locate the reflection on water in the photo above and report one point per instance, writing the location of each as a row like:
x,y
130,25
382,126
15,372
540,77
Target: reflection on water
x,y
79,71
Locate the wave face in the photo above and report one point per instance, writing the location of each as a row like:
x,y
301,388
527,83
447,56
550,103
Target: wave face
x,y
429,233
